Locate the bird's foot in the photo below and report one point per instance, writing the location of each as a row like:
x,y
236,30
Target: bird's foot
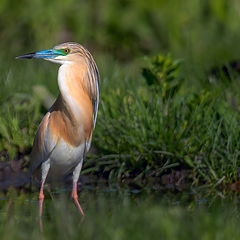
x,y
75,199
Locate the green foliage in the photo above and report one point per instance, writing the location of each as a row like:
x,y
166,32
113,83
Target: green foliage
x,y
171,116
123,28
17,124
147,130
163,73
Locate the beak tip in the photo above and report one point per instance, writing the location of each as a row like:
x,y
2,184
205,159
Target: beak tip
x,y
27,56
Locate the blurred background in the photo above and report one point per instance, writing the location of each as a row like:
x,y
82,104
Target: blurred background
x,y
201,30
155,59
165,156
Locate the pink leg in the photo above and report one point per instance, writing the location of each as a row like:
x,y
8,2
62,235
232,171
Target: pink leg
x,y
75,198
41,198
44,171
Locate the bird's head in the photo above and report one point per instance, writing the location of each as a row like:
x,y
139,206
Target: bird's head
x,y
62,53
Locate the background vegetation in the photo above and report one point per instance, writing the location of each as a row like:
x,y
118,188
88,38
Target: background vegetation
x,y
161,113
168,117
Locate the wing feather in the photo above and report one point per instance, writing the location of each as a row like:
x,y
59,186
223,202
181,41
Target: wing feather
x,y
42,148
94,81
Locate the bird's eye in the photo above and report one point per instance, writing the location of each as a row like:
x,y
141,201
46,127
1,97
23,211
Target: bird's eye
x,y
66,50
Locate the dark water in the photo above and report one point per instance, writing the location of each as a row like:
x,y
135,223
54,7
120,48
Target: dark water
x,y
199,196
117,211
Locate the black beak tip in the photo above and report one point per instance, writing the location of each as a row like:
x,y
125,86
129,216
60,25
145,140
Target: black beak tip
x,y
27,56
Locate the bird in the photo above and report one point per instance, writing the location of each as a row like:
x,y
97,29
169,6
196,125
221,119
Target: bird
x,y
64,135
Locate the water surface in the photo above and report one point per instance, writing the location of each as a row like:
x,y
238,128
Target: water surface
x,y
120,212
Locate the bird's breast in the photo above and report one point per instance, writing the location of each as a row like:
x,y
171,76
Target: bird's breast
x,y
64,158
64,154
75,97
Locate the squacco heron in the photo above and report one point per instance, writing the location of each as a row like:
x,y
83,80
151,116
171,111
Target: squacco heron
x,y
64,136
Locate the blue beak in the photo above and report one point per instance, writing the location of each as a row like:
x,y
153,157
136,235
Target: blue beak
x,y
51,53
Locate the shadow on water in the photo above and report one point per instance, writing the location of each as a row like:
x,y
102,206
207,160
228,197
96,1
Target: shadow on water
x,y
117,192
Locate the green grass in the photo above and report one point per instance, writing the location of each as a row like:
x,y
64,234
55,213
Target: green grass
x,y
162,120
166,122
156,115
147,124
121,216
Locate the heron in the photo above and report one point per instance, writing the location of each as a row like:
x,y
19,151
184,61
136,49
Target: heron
x,y
64,135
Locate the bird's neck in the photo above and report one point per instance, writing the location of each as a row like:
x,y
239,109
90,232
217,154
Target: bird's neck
x,y
73,86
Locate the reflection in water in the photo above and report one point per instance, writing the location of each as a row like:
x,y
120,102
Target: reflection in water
x,y
114,207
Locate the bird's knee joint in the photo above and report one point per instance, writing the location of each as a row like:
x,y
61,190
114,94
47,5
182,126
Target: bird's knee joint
x,y
74,196
41,196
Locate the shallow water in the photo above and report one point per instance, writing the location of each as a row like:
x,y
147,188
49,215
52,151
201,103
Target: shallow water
x,y
192,196
119,212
